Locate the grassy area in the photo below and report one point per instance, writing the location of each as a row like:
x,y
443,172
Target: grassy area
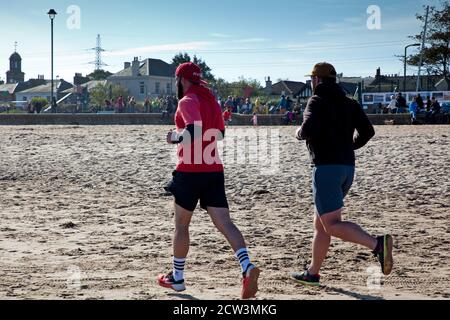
x,y
13,111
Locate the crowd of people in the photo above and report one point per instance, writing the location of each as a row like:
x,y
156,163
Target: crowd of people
x,y
241,105
291,110
431,109
163,104
398,105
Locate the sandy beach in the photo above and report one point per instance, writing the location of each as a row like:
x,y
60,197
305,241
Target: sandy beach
x,y
83,215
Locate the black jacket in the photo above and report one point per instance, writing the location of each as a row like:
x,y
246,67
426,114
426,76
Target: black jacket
x,y
329,125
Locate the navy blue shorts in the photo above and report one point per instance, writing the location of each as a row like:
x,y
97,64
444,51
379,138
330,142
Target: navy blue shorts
x,y
190,188
331,185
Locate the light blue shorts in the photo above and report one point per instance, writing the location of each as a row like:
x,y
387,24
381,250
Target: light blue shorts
x,y
331,184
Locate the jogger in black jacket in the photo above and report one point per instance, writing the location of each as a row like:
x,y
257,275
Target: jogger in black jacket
x,y
330,122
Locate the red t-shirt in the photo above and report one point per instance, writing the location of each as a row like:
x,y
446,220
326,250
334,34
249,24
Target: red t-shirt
x,y
227,115
201,155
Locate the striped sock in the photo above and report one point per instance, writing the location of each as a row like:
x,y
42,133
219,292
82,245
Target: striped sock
x,y
178,269
244,259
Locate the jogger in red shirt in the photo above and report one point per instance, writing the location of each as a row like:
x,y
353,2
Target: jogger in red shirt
x,y
199,176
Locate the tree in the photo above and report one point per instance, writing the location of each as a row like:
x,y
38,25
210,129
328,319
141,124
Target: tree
x,y
102,92
241,88
99,75
39,104
436,54
246,87
181,58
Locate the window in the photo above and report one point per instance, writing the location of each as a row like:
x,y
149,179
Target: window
x,y
141,88
157,87
169,88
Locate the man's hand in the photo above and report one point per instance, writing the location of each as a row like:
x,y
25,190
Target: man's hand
x,y
169,137
297,134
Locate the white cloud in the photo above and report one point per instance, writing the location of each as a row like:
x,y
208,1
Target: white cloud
x,y
219,35
250,40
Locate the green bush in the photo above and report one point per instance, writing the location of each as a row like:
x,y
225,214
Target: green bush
x,y
39,104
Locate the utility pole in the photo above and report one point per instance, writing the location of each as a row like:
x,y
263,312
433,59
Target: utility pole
x,y
423,47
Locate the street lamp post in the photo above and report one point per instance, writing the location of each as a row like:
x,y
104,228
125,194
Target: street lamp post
x,y
52,14
406,52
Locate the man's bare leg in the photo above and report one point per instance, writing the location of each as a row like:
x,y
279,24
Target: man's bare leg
x,y
321,245
222,220
181,240
347,231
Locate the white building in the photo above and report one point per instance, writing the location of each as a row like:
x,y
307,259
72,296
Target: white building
x,y
44,91
151,77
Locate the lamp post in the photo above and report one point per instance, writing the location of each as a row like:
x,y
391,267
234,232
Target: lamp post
x,y
406,52
52,14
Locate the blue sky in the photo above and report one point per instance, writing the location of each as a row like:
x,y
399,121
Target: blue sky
x,y
254,39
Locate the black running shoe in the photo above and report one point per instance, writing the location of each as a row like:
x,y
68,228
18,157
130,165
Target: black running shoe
x,y
384,253
306,279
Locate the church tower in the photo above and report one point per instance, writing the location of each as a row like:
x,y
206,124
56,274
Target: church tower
x,y
15,74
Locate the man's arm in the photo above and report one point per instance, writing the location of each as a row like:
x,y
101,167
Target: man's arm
x,y
310,126
188,110
364,128
178,137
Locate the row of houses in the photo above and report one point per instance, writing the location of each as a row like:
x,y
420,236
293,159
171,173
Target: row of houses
x,y
302,91
154,77
369,85
150,77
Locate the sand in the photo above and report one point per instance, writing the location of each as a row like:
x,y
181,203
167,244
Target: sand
x,y
83,216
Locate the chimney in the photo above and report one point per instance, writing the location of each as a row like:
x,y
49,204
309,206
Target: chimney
x,y
40,77
378,73
135,67
79,79
126,65
268,86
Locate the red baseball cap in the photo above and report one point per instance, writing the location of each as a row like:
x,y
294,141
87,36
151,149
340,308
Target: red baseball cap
x,y
190,71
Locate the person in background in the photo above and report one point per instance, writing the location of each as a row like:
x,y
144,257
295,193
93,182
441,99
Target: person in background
x,y
435,110
282,105
256,106
120,104
401,103
288,104
255,119
429,103
392,107
229,104
132,105
419,102
247,107
413,109
227,117
147,105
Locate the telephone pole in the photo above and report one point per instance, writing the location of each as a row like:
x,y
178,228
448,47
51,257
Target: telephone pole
x,y
418,88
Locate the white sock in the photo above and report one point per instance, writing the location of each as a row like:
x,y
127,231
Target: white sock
x,y
178,269
244,259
